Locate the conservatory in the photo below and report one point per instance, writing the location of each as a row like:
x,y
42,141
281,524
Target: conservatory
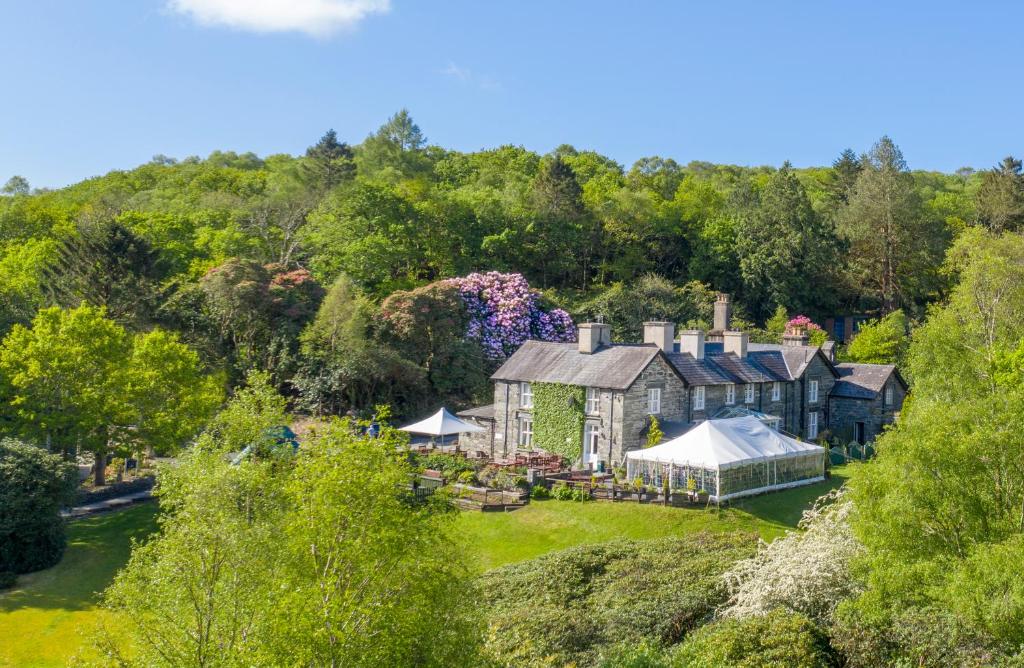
x,y
729,458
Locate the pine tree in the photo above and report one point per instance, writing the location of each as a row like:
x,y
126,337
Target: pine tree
x,y
1001,196
329,161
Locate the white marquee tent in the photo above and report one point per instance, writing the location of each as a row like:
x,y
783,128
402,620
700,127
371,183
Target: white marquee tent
x,y
729,458
442,423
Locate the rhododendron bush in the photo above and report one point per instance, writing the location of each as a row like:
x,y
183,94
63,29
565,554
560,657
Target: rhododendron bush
x,y
504,312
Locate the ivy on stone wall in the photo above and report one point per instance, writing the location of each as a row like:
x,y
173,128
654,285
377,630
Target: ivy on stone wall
x,y
558,419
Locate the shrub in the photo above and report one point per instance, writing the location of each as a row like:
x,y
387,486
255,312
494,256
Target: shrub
x,y
467,477
34,486
451,466
540,492
573,606
7,579
776,639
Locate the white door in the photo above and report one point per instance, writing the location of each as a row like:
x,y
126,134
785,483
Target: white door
x,y
590,453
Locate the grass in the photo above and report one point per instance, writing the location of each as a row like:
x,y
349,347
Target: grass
x,y
495,539
45,618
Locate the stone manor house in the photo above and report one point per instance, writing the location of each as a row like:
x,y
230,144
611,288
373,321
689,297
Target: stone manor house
x,y
683,381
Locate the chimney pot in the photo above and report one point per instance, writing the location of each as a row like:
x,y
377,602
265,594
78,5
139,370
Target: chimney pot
x,y
661,334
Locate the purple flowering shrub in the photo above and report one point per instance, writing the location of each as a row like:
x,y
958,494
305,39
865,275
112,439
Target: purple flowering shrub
x,y
504,312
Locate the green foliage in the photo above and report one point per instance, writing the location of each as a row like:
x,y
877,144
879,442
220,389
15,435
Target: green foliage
x,y
76,379
568,607
8,579
34,487
654,432
450,465
558,419
939,509
881,341
540,492
650,297
330,542
775,639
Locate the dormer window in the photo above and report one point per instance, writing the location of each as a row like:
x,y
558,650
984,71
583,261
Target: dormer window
x,y
888,395
748,393
525,395
730,394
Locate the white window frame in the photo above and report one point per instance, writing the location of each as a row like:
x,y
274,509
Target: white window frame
x,y
698,398
812,391
593,401
812,425
748,393
654,401
888,395
526,432
776,391
525,395
730,395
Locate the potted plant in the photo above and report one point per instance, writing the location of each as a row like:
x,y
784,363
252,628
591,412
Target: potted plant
x,y
638,487
702,496
691,489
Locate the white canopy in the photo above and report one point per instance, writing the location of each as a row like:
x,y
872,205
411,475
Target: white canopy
x,y
723,444
442,423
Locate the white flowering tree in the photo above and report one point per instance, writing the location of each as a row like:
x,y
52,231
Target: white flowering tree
x,y
805,571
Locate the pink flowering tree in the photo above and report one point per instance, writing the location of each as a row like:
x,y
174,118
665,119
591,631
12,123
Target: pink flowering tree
x,y
815,334
504,312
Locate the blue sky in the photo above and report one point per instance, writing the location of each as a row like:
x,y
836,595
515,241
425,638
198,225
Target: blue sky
x,y
90,86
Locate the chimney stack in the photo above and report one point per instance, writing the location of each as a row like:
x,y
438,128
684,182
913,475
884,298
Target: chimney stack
x,y
723,313
692,341
661,334
736,342
593,335
795,337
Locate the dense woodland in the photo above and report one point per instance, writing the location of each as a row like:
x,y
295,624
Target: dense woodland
x,y
303,266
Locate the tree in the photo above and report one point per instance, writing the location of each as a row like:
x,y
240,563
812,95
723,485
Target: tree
x,y
65,378
170,396
557,229
16,185
395,150
1000,199
786,251
105,264
845,169
76,380
330,162
626,306
881,341
894,250
325,539
34,487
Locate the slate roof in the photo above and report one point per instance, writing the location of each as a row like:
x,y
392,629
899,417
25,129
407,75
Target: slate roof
x,y
796,357
478,412
614,367
862,381
699,372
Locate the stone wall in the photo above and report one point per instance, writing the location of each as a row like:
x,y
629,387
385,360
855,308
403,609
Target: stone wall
x,y
631,417
846,413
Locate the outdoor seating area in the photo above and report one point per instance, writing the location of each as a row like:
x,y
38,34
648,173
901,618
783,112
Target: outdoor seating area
x,y
727,459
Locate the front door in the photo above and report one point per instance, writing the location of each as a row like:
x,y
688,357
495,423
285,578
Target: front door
x,y
858,432
590,454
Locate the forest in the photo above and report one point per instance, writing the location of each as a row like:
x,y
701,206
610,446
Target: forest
x,y
333,270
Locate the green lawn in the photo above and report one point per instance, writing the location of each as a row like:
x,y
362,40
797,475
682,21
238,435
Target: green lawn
x,y
494,539
44,619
